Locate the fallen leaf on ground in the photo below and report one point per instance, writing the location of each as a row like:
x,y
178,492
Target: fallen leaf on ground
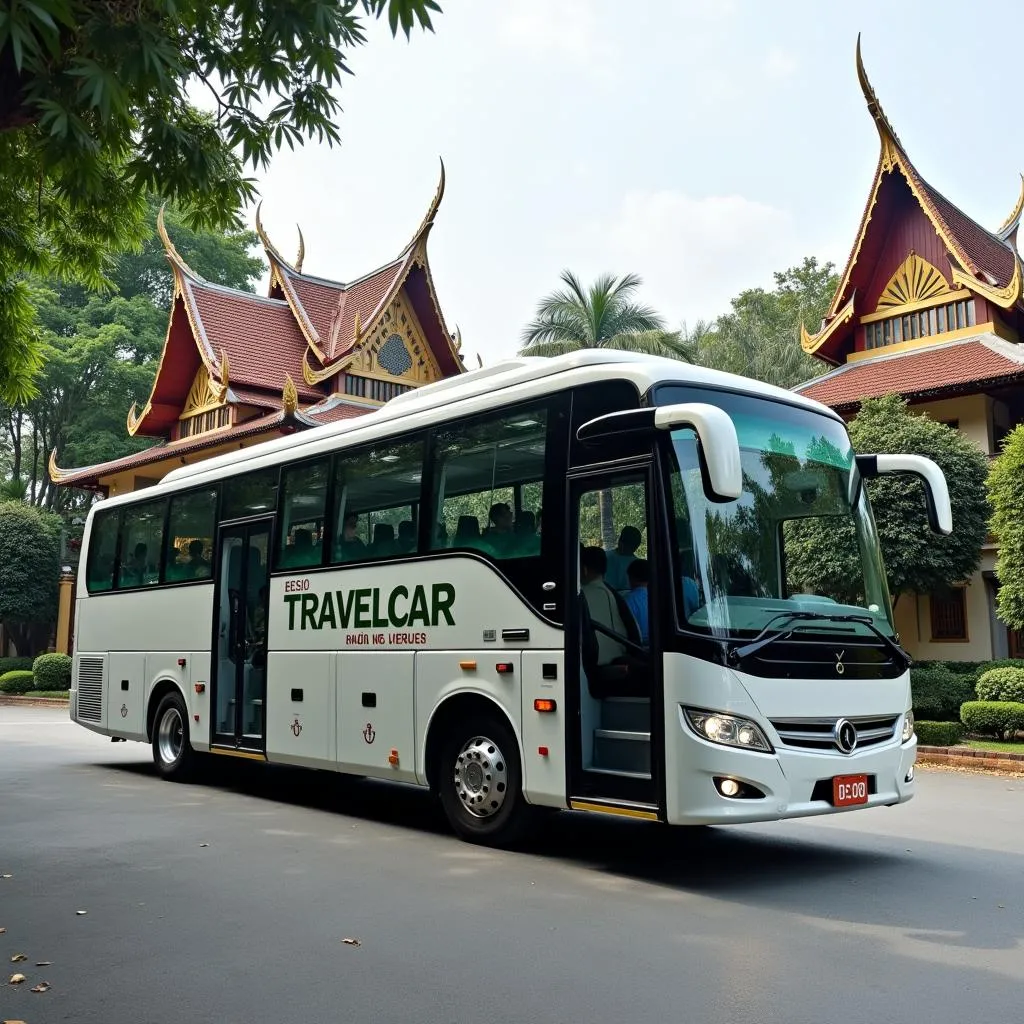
x,y
43,986
351,942
16,979
2,930
18,957
81,913
12,1022
201,845
44,963
6,876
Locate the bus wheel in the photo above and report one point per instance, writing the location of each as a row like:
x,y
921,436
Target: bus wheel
x,y
172,751
481,782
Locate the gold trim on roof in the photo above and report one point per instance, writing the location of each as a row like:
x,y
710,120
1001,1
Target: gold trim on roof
x,y
915,281
289,396
1008,228
1006,297
810,343
889,312
172,253
301,255
56,473
428,220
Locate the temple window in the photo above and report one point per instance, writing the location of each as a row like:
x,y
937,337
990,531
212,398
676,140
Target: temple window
x,y
201,423
923,323
370,387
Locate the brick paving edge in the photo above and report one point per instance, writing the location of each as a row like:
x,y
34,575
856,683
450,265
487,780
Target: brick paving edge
x,y
11,700
972,753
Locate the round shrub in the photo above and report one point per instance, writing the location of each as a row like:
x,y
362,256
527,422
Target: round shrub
x,y
18,681
937,693
939,734
999,718
52,672
1001,684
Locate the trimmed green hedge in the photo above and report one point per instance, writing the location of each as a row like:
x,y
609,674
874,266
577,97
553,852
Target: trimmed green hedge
x,y
937,692
18,681
999,718
939,734
1001,684
52,672
15,665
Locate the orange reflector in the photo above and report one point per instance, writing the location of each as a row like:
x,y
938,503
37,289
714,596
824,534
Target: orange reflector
x,y
544,704
393,759
543,751
468,666
504,667
200,687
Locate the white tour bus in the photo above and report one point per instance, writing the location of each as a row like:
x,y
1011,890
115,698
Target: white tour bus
x,y
548,583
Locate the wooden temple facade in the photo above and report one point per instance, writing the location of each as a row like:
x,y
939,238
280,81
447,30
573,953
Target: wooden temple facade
x,y
239,368
930,305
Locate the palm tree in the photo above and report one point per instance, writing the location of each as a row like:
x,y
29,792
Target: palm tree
x,y
603,316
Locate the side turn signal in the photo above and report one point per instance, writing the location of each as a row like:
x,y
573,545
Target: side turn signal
x,y
545,704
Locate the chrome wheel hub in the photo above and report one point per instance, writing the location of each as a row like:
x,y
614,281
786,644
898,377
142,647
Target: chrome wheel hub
x,y
170,736
481,777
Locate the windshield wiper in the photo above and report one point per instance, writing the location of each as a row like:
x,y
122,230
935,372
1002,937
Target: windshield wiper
x,y
769,636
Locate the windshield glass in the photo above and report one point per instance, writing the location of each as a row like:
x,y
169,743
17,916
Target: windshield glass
x,y
740,562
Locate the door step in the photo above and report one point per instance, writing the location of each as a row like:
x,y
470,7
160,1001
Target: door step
x,y
622,808
646,776
623,750
631,713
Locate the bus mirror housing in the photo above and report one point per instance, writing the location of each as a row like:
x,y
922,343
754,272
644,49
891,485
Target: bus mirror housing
x,y
936,491
719,445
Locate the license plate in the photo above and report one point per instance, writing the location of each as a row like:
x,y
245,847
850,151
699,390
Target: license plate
x,y
848,790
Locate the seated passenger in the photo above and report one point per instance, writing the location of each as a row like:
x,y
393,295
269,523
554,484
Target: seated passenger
x,y
350,547
302,552
620,557
639,574
467,533
500,535
383,540
198,566
406,537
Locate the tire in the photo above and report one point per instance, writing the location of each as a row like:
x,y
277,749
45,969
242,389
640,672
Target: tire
x,y
172,750
480,782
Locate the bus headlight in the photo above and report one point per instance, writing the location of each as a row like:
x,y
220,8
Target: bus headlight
x,y
908,726
729,730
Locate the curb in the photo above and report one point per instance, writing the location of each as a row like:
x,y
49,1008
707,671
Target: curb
x,y
980,760
11,701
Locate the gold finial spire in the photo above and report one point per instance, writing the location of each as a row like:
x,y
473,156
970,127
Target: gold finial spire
x,y
1008,229
172,253
428,220
358,330
890,140
289,396
302,250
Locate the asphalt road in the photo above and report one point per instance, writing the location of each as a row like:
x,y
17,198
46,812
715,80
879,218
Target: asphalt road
x,y
229,901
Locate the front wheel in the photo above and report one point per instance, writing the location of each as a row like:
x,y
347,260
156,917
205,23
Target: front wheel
x,y
172,751
481,782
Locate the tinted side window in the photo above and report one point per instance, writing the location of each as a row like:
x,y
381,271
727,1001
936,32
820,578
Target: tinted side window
x,y
489,484
376,501
100,570
141,539
190,536
250,494
303,505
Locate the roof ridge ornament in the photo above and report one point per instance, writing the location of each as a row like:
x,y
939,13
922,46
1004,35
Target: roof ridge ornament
x,y
1007,231
428,221
289,396
890,140
172,253
302,251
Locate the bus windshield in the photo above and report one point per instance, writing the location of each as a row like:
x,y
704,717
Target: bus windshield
x,y
743,564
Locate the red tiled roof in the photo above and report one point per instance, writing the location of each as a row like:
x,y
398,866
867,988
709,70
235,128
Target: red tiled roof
x,y
946,367
260,336
89,475
334,409
984,251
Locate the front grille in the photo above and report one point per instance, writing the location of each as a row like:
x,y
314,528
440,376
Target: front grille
x,y
90,689
817,733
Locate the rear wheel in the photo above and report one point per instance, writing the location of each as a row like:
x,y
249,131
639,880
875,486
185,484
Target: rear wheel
x,y
480,782
172,750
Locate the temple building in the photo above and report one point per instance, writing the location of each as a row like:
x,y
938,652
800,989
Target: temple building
x,y
930,305
239,368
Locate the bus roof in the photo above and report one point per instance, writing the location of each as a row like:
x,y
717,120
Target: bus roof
x,y
521,378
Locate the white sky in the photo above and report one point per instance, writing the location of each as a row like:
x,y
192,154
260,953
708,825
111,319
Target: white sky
x,y
699,143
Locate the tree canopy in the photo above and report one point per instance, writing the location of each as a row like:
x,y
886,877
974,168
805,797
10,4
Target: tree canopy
x,y
760,337
605,315
823,555
99,108
29,570
100,352
1006,494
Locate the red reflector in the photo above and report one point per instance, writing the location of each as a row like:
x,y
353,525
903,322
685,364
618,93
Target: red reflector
x,y
196,717
543,751
544,704
181,663
504,667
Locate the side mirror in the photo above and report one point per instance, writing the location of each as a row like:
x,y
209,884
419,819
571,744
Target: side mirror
x,y
719,446
936,492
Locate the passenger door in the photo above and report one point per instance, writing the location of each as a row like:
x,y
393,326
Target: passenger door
x,y
240,663
613,664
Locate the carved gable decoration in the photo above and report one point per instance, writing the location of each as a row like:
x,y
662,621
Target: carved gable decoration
x,y
915,281
204,394
396,349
